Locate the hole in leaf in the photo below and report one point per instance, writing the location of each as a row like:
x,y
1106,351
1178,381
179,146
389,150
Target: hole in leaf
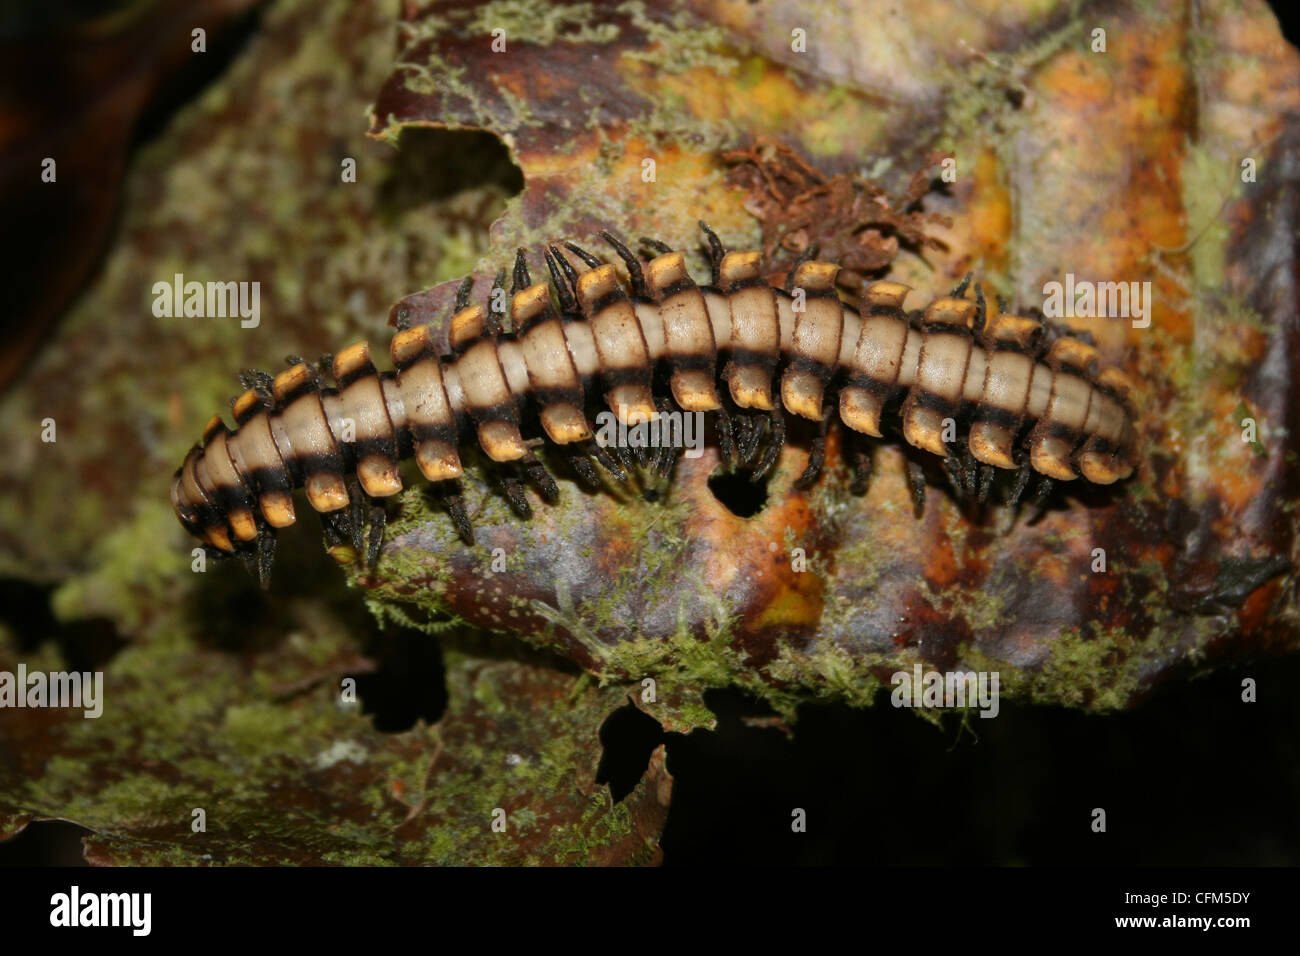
x,y
45,843
628,736
87,644
736,493
435,164
409,681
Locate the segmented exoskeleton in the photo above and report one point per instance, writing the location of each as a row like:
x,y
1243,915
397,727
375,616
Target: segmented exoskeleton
x,y
982,391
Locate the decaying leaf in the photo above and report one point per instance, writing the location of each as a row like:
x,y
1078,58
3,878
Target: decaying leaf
x,y
1062,169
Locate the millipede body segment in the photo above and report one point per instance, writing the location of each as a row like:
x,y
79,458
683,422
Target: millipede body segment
x,y
983,391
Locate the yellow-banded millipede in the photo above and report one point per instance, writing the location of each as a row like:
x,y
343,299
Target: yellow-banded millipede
x,y
983,391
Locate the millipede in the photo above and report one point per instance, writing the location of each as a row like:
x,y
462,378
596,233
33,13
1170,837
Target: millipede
x,y
984,389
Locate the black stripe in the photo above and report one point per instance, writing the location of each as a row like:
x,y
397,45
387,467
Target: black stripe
x,y
555,395
418,355
749,358
677,286
923,398
363,370
874,386
500,412
305,385
801,363
751,283
1109,392
431,431
1056,430
231,497
314,463
691,362
993,415
614,297
1007,346
630,375
251,412
545,314
271,479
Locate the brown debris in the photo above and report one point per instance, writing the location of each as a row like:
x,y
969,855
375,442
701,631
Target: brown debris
x,y
853,220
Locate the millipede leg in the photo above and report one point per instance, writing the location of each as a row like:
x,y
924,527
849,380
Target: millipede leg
x,y
952,468
459,516
584,469
216,554
669,461
969,472
520,279
635,275
1022,481
337,526
986,473
378,520
726,446
1039,498
666,454
716,252
859,455
590,260
540,477
774,446
816,454
981,310
265,557
749,433
357,518
916,484
561,275
641,455
514,490
809,253
626,458
656,246
497,306
258,380
597,451
959,290
463,293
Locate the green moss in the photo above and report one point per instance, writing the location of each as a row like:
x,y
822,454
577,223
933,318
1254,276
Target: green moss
x,y
541,23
